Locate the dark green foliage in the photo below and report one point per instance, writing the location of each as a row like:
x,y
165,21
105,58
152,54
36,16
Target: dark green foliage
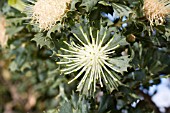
x,y
28,66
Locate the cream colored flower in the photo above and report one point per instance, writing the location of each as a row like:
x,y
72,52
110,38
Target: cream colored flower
x,y
156,11
46,13
93,59
3,36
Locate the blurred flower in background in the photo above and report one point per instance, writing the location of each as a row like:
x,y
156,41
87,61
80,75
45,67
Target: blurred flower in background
x,y
3,36
46,13
156,11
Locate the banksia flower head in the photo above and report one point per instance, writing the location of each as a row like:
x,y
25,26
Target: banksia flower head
x,y
46,13
93,61
156,11
3,36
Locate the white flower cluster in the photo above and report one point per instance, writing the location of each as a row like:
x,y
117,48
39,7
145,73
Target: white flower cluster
x,y
156,11
46,13
92,60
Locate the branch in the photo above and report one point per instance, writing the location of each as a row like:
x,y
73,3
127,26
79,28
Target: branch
x,y
148,99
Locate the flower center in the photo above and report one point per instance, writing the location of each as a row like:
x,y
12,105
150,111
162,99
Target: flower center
x,y
93,55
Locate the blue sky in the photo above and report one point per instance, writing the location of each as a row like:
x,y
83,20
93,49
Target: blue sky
x,y
162,96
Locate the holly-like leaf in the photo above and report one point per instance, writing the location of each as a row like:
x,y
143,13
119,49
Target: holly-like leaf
x,y
120,63
42,40
54,29
89,4
66,108
119,9
13,30
122,10
73,4
77,104
105,103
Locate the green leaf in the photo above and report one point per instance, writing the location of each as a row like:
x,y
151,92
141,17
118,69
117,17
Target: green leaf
x,y
119,9
119,39
41,40
139,75
73,4
54,29
120,63
77,104
89,4
122,10
75,30
104,3
105,103
13,66
13,30
26,65
66,108
17,4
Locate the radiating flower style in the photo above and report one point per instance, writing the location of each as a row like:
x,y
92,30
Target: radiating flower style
x,y
93,60
3,36
46,13
156,11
